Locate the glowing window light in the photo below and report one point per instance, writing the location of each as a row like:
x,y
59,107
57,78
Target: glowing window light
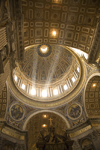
x,y
23,86
45,116
57,1
44,49
44,125
65,87
73,79
80,52
86,56
33,91
44,93
78,69
54,33
55,92
15,78
94,85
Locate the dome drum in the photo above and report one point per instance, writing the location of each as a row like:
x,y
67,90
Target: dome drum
x,y
60,82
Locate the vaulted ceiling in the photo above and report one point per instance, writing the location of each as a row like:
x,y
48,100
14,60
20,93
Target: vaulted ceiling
x,y
74,23
92,97
73,20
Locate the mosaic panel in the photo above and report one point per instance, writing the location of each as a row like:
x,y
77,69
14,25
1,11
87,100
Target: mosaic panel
x,y
17,112
74,111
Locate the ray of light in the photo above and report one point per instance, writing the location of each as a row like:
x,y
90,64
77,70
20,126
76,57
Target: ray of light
x,y
80,52
35,62
53,66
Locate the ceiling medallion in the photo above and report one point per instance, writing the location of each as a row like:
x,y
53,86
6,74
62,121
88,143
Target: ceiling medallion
x,y
44,50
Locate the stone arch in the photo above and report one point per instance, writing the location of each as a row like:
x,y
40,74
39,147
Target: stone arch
x,y
44,111
34,124
92,96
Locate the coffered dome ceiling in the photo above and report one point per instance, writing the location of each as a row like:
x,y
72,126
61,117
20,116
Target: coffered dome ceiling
x,y
47,72
50,67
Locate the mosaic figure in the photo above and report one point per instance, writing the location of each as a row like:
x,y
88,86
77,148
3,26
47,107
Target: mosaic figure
x,y
74,111
17,112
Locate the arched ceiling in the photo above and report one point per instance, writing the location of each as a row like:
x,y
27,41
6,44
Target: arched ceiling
x,y
34,126
92,97
73,20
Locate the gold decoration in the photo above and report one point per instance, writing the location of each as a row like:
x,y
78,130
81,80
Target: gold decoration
x,y
80,131
12,133
95,124
50,121
57,1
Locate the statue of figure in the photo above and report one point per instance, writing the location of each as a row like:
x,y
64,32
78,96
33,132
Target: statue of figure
x,y
52,139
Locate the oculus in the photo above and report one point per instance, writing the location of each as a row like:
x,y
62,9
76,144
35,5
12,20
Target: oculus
x,y
44,50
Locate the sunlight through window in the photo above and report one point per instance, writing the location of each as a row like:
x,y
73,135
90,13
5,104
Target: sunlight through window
x,y
73,79
15,78
78,69
44,93
23,86
33,91
65,87
55,92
